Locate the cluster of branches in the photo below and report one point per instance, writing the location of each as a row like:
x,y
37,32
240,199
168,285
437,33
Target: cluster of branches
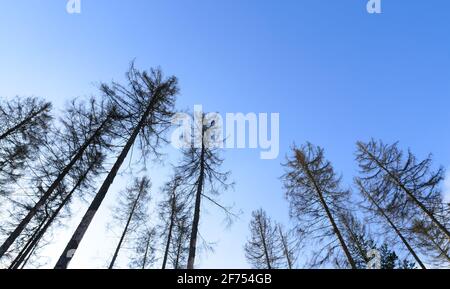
x,y
47,164
400,199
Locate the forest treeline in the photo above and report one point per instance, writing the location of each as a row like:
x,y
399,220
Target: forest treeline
x,y
393,213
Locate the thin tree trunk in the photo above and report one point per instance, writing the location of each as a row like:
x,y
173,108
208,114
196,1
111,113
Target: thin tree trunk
x,y
24,122
409,193
361,250
285,248
24,252
28,258
146,253
263,239
169,237
330,216
41,232
78,235
198,199
180,243
125,230
33,211
405,242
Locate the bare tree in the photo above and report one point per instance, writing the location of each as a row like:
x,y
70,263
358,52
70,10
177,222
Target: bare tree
x,y
179,248
431,241
24,116
289,246
132,210
263,249
402,182
376,208
83,180
174,206
200,172
146,107
55,165
24,124
144,249
316,199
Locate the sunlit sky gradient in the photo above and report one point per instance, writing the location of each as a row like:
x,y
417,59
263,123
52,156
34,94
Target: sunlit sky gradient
x,y
335,73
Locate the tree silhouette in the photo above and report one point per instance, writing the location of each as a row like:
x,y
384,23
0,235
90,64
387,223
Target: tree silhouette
x,y
263,250
174,207
132,210
24,124
144,249
376,208
145,107
403,183
80,135
200,172
316,199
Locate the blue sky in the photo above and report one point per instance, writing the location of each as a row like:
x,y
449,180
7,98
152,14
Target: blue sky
x,y
335,73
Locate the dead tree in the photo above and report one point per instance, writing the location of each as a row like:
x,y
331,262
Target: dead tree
x,y
132,210
263,250
82,183
289,246
172,208
144,249
179,248
431,241
146,107
403,182
24,124
316,198
200,172
376,208
81,133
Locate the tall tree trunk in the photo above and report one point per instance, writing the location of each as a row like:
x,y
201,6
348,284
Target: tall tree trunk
x,y
24,121
397,231
285,248
33,211
49,222
408,193
78,235
198,199
169,236
125,230
329,215
28,258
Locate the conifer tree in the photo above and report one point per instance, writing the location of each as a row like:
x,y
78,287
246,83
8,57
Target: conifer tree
x,y
146,106
316,200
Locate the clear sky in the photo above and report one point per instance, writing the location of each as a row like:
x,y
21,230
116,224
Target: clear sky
x,y
335,73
